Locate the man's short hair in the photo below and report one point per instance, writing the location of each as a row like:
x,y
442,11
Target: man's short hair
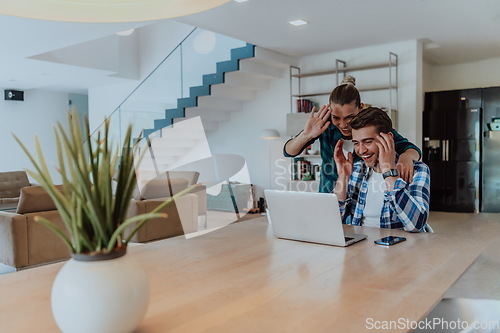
x,y
372,117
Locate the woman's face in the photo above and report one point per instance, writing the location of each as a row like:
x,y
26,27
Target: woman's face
x,y
342,116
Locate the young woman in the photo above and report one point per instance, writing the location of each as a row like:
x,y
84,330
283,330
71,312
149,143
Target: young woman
x,y
330,124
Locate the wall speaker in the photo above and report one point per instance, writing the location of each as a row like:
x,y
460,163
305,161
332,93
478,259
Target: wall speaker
x,y
14,95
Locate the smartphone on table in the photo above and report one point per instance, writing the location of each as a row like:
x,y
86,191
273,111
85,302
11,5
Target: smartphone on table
x,y
390,240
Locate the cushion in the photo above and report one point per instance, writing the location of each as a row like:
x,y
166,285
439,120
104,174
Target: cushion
x,y
191,176
35,199
11,183
9,200
160,188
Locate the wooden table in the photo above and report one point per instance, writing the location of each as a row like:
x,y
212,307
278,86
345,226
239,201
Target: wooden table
x,y
241,279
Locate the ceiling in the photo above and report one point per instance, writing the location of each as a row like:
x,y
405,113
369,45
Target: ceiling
x,y
454,31
459,30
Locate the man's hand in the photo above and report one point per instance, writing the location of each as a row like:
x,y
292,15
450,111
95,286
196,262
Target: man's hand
x,y
344,170
386,151
344,165
317,122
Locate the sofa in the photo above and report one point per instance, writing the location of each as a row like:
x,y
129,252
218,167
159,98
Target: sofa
x,y
11,184
182,214
25,242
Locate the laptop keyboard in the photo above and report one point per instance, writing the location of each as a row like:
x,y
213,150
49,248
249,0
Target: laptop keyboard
x,y
348,238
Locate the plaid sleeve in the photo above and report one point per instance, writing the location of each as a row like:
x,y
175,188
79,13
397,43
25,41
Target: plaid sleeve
x,y
410,202
344,207
353,188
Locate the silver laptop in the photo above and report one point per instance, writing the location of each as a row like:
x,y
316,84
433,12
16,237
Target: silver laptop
x,y
308,217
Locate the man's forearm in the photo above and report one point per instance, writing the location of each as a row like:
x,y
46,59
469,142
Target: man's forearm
x,y
297,144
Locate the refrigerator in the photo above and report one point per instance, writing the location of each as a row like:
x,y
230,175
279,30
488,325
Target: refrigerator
x,y
451,148
490,166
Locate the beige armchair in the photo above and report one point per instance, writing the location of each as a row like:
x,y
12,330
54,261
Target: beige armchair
x,y
25,242
182,213
11,184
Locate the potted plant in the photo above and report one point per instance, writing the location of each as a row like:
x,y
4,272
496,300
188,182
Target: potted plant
x,y
100,289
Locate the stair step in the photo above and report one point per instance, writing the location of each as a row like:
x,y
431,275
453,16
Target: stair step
x,y
232,92
227,66
186,102
199,90
261,70
217,103
160,123
214,78
239,79
208,125
208,114
183,134
174,113
247,51
173,142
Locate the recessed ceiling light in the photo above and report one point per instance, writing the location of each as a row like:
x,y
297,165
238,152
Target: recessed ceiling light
x,y
240,1
297,22
127,32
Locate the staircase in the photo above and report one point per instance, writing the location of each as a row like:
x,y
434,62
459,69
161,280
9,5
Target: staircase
x,y
236,81
177,143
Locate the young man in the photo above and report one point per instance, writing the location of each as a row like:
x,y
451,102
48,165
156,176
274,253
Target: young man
x,y
330,124
370,191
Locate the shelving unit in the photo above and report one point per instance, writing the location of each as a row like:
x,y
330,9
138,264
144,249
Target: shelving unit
x,y
296,121
341,70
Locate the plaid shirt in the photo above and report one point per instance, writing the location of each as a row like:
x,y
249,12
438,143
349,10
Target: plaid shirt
x,y
405,207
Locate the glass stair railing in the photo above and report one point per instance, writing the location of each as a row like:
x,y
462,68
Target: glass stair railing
x,y
188,72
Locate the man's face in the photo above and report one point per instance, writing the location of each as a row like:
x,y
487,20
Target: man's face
x,y
364,140
342,116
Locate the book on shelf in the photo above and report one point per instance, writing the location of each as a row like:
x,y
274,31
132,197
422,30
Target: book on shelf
x,y
305,105
302,169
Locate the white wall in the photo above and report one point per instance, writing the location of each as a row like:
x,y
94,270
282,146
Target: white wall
x,y
81,103
36,115
478,74
240,135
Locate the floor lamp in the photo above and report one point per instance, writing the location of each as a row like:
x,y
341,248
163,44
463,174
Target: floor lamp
x,y
269,134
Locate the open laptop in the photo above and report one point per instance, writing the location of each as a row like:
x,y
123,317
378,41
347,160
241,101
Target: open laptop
x,y
309,217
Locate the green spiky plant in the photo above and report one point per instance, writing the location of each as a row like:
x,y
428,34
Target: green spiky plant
x,y
93,213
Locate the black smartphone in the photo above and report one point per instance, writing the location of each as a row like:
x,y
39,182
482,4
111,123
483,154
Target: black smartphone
x,y
390,240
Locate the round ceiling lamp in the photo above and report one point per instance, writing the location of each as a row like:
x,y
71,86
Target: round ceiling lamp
x,y
105,11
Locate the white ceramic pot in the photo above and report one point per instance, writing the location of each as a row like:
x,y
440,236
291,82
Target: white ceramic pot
x,y
104,296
